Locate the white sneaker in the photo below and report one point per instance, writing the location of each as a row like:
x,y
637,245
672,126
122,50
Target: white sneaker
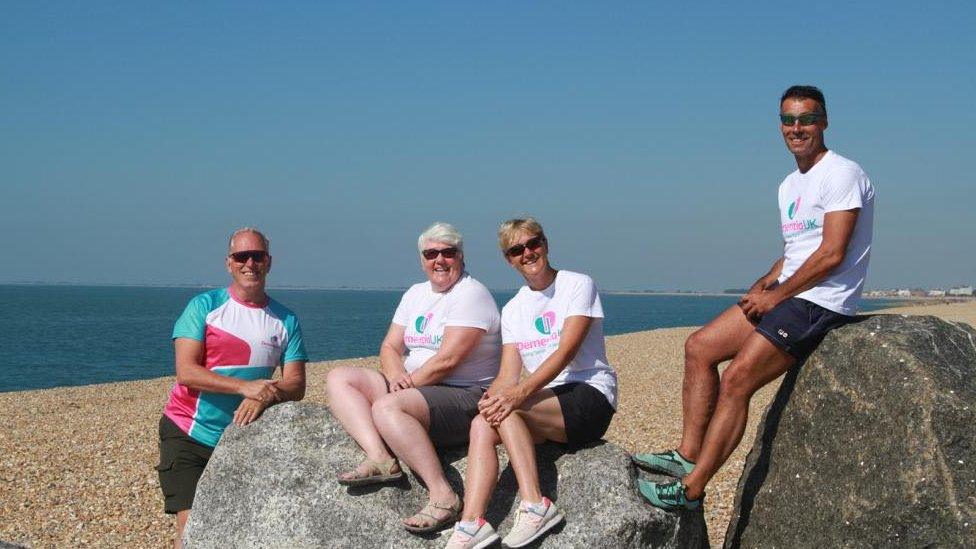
x,y
480,536
531,521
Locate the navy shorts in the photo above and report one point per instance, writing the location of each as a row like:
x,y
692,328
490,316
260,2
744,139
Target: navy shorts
x,y
797,326
586,412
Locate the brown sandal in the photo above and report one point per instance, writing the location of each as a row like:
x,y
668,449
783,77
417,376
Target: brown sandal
x,y
430,521
376,472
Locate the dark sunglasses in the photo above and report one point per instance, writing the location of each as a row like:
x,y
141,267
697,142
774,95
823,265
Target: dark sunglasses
x,y
259,256
533,244
807,119
448,253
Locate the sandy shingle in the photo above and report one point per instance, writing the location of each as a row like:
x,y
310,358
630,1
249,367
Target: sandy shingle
x,y
76,464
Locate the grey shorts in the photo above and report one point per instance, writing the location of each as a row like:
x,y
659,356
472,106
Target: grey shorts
x,y
451,411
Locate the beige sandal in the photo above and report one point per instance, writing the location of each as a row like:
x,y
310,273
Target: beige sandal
x,y
376,472
430,522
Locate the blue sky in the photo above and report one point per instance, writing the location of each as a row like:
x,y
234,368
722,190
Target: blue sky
x,y
136,136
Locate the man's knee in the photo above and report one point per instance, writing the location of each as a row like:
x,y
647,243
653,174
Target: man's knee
x,y
698,348
739,381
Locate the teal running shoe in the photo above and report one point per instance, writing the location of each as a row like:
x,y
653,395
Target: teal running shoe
x,y
669,496
670,463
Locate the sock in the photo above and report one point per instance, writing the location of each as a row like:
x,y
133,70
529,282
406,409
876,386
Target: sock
x,y
537,508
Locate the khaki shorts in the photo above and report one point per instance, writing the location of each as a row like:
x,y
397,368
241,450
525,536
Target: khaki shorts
x,y
451,411
181,462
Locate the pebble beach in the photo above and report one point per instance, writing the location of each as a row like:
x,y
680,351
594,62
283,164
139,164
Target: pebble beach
x,y
77,463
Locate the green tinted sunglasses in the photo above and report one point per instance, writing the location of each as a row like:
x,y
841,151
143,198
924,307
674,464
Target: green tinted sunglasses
x,y
807,119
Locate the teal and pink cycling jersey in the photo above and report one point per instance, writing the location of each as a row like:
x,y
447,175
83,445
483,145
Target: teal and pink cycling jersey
x,y
241,341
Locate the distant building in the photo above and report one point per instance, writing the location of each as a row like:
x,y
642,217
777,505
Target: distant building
x,y
961,290
904,293
937,293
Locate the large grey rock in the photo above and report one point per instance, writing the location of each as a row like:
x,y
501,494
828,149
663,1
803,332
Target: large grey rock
x,y
869,444
272,484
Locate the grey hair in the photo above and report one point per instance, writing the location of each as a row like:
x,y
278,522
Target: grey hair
x,y
444,233
264,240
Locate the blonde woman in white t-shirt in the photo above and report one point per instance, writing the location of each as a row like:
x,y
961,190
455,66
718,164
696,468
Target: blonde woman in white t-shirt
x,y
553,329
440,353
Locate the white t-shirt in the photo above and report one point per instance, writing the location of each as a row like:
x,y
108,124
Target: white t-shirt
x,y
533,321
832,184
425,313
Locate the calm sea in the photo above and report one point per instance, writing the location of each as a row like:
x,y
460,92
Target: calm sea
x,y
52,336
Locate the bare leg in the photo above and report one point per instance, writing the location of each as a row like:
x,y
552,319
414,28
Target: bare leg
x,y
181,518
403,420
352,392
758,363
539,419
714,343
482,472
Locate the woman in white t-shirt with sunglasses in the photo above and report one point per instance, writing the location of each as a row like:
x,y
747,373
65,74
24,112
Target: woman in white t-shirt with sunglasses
x,y
439,354
553,328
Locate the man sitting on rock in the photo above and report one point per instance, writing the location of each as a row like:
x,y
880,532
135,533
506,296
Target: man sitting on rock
x,y
228,344
826,208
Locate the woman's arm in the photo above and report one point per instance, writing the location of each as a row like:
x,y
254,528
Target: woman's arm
x,y
499,406
457,344
509,372
391,353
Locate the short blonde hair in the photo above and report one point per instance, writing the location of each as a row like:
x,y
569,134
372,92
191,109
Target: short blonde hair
x,y
509,230
264,240
445,233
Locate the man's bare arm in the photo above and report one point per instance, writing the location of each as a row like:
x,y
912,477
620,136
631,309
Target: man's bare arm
x,y
191,372
837,231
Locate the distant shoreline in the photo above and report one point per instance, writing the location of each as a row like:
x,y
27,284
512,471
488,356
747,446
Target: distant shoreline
x,y
689,293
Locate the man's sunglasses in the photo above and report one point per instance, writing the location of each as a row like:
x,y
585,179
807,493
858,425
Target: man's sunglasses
x,y
259,256
533,243
807,119
432,253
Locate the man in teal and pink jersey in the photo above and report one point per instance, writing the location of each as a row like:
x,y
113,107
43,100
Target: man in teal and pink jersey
x,y
228,344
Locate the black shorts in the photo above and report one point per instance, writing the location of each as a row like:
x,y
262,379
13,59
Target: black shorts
x,y
586,412
797,326
181,462
451,411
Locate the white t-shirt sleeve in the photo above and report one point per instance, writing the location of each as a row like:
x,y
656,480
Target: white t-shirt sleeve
x,y
472,307
508,333
842,191
585,300
400,315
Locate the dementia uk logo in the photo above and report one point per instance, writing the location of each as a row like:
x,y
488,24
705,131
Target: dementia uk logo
x,y
421,324
794,228
422,321
791,211
544,324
